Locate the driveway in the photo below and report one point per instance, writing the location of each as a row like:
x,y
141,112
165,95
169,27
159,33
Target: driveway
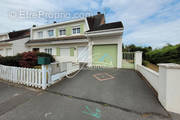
x,y
121,88
91,95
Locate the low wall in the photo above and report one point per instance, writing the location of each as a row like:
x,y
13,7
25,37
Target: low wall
x,y
150,75
166,83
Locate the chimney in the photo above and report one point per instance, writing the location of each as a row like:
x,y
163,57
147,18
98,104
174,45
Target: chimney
x,y
34,26
98,13
54,22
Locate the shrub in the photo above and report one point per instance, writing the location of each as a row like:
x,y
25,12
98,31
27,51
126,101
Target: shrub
x,y
29,60
11,60
145,63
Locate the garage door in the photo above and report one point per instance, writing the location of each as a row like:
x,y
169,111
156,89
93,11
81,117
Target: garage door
x,y
105,55
83,54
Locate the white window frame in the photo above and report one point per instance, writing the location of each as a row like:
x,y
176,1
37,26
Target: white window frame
x,y
38,34
48,50
64,32
48,33
76,27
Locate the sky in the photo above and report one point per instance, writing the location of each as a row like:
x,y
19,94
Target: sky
x,y
146,22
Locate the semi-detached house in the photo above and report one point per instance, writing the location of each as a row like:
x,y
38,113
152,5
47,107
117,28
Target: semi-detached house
x,y
89,40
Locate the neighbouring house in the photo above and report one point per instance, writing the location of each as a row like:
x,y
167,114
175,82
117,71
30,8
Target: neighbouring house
x,y
13,43
89,40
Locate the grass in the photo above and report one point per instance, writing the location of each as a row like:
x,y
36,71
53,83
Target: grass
x,y
153,67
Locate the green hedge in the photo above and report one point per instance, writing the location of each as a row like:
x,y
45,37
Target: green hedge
x,y
17,60
167,54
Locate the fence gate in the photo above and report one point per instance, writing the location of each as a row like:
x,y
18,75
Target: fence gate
x,y
128,60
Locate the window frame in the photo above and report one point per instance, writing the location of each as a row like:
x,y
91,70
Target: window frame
x,y
48,51
62,29
49,34
39,34
77,30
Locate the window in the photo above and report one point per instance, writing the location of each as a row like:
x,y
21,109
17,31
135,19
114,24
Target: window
x,y
48,50
50,33
35,49
76,30
62,32
64,51
40,34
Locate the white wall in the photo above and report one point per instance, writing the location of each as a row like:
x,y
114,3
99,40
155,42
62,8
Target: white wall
x,y
4,37
45,33
19,46
62,58
166,83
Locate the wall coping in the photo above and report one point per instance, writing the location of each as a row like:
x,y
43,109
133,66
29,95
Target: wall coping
x,y
169,65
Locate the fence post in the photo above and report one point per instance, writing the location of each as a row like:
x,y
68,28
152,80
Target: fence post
x,y
137,58
168,90
44,85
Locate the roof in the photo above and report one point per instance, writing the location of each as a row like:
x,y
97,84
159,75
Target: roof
x,y
108,26
57,39
15,35
19,34
97,22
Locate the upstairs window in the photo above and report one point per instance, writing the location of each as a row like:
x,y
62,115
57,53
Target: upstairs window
x,y
50,33
48,50
62,32
40,34
76,30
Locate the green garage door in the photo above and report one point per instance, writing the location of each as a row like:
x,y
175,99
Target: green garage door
x,y
104,55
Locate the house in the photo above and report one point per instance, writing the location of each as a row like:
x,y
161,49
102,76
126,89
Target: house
x,y
89,40
13,43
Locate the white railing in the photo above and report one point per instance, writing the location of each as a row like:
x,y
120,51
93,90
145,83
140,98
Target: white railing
x,y
150,75
25,76
72,67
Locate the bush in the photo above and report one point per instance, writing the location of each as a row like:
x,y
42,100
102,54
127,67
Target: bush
x,y
167,54
11,60
29,60
26,59
145,63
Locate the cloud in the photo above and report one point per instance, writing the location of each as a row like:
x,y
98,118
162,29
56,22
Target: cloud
x,y
146,22
156,35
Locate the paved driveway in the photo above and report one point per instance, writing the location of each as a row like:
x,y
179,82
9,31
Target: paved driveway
x,y
84,98
122,88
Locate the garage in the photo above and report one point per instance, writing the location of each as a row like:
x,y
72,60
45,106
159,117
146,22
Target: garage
x,y
104,55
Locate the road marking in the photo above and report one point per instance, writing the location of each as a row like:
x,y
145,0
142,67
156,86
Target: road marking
x,y
96,114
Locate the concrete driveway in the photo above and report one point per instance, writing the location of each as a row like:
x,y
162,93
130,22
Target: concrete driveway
x,y
91,95
122,88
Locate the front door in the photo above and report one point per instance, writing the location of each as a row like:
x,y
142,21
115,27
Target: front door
x,y
83,54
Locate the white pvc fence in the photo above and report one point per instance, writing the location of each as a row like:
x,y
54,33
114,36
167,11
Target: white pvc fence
x,y
39,78
150,75
25,76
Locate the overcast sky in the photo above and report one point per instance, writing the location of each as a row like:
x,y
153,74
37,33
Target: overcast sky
x,y
146,22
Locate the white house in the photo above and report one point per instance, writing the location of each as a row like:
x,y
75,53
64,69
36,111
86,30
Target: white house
x,y
14,42
88,40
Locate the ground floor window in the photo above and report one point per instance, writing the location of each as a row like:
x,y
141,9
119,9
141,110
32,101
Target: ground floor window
x,y
35,49
48,50
65,51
